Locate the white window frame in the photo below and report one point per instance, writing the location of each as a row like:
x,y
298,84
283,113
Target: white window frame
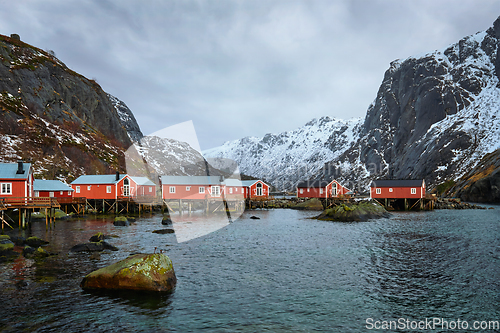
x,y
108,188
188,188
69,192
201,190
150,189
334,191
321,191
390,190
230,190
413,191
216,191
77,189
378,190
301,191
89,187
51,194
171,189
307,189
6,189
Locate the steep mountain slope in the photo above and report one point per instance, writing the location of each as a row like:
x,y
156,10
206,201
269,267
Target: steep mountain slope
x,y
127,119
482,184
284,159
434,117
61,121
168,157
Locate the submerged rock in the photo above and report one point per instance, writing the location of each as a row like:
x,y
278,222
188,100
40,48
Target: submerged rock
x,y
354,212
35,242
150,272
99,237
121,221
164,231
34,253
254,217
93,247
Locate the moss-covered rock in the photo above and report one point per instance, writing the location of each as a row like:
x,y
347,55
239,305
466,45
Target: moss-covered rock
x,y
311,204
166,220
35,242
121,221
93,247
150,272
5,243
34,253
354,212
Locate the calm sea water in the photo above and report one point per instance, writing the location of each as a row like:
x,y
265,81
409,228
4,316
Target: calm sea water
x,y
282,273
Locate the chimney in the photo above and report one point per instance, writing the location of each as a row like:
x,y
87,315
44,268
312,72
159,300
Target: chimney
x,y
117,176
20,168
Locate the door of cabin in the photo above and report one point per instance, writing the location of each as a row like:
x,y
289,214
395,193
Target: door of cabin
x,y
259,189
126,187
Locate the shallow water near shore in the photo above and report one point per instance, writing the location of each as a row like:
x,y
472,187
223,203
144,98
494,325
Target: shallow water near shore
x,y
282,273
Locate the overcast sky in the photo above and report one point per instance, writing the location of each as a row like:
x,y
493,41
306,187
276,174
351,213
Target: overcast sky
x,y
241,68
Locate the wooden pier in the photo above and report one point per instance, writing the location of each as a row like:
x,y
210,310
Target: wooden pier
x,y
26,205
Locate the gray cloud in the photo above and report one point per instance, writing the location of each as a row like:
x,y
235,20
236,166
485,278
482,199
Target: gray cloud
x,y
239,68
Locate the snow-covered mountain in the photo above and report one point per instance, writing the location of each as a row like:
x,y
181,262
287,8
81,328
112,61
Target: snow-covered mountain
x,y
435,116
284,159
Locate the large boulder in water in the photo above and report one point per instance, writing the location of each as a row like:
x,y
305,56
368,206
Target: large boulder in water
x,y
354,212
149,272
93,247
5,243
121,221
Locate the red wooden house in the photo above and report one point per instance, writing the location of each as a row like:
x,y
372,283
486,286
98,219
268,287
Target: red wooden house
x,y
104,186
145,187
16,180
397,189
192,187
321,189
255,189
52,189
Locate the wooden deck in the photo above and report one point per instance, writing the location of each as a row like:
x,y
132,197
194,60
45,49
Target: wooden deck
x,y
28,202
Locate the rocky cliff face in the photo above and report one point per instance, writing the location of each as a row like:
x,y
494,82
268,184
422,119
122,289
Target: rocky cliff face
x,y
434,116
127,119
482,184
61,121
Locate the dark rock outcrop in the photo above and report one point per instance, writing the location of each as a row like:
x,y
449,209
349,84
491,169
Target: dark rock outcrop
x,y
164,231
35,242
93,247
481,184
121,221
166,220
149,272
354,212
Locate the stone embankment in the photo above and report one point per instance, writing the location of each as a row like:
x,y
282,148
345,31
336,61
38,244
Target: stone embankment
x,y
455,204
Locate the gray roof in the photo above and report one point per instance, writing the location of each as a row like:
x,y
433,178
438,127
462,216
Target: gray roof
x,y
9,171
248,183
96,179
397,183
143,181
50,185
191,180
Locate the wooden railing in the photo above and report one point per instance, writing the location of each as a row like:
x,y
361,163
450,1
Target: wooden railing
x,y
76,200
28,202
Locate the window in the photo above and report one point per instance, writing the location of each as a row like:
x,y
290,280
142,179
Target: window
x,y
188,188
150,189
37,194
61,192
230,190
301,191
215,191
89,187
320,191
108,189
334,191
172,189
6,188
378,191
201,190
390,190
51,194
413,191
77,189
307,190
69,192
